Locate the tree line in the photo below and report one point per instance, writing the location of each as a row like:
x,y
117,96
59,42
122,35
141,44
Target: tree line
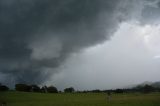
x,y
3,87
52,89
36,88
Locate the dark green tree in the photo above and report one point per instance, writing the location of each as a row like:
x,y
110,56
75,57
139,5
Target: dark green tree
x,y
44,89
52,89
22,87
69,90
119,91
35,88
3,88
147,89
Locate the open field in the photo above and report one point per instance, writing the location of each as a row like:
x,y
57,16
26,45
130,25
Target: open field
x,y
79,99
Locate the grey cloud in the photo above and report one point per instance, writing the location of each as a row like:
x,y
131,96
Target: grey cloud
x,y
151,13
37,35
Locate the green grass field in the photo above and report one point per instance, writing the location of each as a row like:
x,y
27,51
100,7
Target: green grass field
x,y
79,99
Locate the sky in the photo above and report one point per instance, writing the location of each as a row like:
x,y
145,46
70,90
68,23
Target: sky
x,y
124,61
89,44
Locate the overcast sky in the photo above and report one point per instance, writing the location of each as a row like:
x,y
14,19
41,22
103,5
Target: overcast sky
x,y
89,44
131,57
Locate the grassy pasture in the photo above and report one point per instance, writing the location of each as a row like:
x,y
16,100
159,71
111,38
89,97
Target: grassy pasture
x,y
79,99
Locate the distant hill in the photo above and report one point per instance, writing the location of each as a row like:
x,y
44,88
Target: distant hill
x,y
146,83
154,84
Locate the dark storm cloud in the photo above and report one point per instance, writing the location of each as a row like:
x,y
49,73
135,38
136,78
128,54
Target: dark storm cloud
x,y
151,13
36,36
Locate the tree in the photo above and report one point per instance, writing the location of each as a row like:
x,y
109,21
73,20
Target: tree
x,y
52,89
96,91
119,91
69,90
23,87
147,88
3,88
35,88
44,89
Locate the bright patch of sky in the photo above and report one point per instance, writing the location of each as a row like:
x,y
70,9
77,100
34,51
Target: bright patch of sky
x,y
130,57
